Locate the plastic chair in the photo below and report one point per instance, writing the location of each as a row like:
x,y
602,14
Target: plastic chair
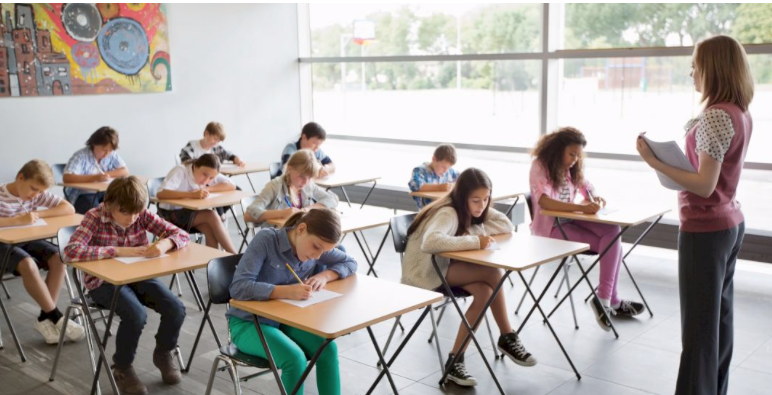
x,y
275,169
219,273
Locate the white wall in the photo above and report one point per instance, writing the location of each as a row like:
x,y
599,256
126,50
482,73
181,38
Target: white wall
x,y
236,64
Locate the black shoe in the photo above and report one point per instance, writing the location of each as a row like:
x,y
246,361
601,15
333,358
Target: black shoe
x,y
628,308
458,374
510,345
604,320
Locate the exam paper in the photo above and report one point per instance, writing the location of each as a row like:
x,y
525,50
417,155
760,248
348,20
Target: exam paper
x,y
130,260
316,297
39,222
670,153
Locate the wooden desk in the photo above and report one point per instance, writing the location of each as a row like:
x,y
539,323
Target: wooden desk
x,y
498,196
366,301
624,217
230,170
221,199
357,220
96,186
193,256
12,237
342,180
517,252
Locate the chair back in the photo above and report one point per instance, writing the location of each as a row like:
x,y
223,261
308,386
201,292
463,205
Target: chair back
x,y
530,204
219,275
63,238
399,226
274,169
153,185
58,170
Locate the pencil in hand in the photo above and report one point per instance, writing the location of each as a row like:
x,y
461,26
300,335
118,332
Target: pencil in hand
x,y
157,240
293,272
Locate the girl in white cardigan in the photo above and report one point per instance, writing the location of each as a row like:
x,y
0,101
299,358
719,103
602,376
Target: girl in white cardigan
x,y
461,221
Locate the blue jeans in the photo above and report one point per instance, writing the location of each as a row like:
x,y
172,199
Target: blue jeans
x,y
86,202
131,309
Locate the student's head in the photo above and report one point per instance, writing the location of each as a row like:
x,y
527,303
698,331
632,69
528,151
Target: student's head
x,y
314,232
312,136
33,179
561,151
126,198
302,166
103,142
214,134
721,72
443,159
470,198
205,168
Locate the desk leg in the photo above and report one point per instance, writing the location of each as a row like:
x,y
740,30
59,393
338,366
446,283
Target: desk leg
x,y
2,305
250,183
538,306
102,345
238,225
470,331
369,260
197,292
272,363
399,349
381,361
380,247
512,207
629,273
586,273
198,336
375,182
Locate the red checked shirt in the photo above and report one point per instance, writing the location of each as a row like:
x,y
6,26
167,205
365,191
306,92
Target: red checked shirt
x,y
97,236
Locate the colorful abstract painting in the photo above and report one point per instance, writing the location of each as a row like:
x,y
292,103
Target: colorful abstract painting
x,y
49,49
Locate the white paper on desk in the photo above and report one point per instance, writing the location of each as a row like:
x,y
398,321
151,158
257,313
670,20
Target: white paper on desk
x,y
229,166
316,297
214,195
39,222
670,153
130,260
493,246
606,211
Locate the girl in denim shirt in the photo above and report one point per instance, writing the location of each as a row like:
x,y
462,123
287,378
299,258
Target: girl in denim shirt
x,y
307,242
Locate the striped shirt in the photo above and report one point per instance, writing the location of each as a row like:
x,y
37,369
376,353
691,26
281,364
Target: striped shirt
x,y
12,206
84,163
194,149
97,236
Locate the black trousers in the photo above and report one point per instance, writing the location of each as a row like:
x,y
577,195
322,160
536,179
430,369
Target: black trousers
x,y
706,263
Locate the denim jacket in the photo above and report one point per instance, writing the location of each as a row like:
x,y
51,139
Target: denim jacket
x,y
262,268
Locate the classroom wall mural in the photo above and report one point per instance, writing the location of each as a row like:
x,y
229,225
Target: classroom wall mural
x,y
50,49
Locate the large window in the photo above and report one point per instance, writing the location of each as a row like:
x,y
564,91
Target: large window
x,y
499,76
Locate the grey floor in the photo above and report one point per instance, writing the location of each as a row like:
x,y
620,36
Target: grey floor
x,y
643,360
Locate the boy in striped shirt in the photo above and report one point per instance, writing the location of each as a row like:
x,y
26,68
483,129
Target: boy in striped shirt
x,y
19,203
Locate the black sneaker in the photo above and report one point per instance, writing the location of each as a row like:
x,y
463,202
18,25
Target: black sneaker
x,y
458,374
510,345
628,308
604,320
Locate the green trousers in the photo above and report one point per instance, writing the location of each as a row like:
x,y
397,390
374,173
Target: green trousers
x,y
291,348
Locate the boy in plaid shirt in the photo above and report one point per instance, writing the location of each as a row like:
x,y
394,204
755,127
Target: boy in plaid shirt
x,y
437,175
116,228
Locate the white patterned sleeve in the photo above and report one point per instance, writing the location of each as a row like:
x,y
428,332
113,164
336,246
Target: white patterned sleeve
x,y
714,134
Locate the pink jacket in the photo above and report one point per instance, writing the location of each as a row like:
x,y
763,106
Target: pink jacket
x,y
541,225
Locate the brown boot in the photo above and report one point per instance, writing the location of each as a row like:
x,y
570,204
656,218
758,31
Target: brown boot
x,y
164,361
127,380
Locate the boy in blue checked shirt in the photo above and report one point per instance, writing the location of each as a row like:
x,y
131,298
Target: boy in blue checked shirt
x,y
97,162
437,175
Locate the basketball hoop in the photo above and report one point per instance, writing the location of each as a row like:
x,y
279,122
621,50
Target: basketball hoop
x,y
364,32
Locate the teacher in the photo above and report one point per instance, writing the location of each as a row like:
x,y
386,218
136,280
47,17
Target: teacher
x,y
712,224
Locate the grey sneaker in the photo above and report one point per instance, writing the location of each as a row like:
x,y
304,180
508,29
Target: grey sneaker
x,y
628,308
127,380
164,361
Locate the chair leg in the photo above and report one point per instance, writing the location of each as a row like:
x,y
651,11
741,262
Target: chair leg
x,y
557,290
571,296
530,282
215,364
7,295
61,343
391,335
234,373
68,284
180,360
436,338
493,343
442,311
